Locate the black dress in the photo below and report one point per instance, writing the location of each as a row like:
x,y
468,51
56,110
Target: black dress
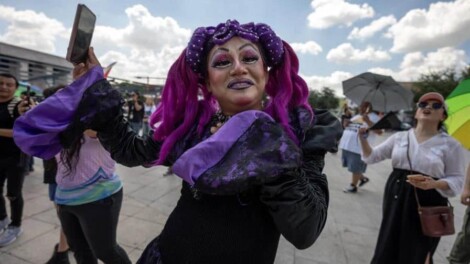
x,y
240,227
400,238
215,229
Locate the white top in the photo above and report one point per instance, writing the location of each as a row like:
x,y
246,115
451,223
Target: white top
x,y
440,157
93,157
349,140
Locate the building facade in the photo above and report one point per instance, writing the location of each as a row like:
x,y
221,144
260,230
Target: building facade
x,y
37,68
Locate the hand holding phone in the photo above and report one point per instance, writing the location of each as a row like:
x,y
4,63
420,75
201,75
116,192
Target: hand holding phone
x,y
82,68
82,32
416,177
28,95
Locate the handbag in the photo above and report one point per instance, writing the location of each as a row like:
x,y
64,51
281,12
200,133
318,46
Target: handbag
x,y
436,221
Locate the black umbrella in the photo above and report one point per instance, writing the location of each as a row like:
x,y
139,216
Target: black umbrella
x,y
382,91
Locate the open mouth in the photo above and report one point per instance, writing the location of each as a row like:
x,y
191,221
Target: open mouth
x,y
240,84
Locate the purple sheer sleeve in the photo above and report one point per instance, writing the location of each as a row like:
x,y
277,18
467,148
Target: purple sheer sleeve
x,y
37,132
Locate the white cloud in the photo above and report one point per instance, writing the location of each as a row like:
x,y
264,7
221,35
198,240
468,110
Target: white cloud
x,y
412,67
416,64
30,29
148,45
384,71
347,54
334,81
444,24
328,13
308,47
374,27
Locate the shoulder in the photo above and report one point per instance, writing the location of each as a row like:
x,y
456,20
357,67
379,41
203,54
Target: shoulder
x,y
448,140
401,136
301,118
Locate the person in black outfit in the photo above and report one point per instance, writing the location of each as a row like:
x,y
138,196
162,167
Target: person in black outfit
x,y
136,112
251,170
13,163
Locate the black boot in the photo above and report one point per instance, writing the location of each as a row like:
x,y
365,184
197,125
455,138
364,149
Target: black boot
x,y
59,257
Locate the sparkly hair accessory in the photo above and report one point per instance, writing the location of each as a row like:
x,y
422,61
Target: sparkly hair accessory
x,y
204,38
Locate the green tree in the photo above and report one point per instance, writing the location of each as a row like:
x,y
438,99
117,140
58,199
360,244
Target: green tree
x,y
324,99
443,82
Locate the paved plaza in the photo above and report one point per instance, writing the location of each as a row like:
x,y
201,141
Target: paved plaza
x,y
348,238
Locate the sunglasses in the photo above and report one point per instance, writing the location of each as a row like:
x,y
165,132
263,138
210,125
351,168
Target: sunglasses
x,y
434,106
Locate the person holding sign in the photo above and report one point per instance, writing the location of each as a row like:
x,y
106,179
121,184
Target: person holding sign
x,y
351,150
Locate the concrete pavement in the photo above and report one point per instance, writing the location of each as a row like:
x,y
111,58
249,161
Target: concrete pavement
x,y
348,238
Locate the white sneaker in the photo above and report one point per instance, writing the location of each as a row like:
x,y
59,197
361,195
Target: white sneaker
x,y
10,235
4,223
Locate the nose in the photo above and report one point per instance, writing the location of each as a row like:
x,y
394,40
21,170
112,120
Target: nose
x,y
238,68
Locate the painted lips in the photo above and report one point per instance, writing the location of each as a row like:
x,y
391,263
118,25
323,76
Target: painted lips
x,y
240,84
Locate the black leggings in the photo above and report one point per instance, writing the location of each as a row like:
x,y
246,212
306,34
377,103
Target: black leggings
x,y
13,174
91,230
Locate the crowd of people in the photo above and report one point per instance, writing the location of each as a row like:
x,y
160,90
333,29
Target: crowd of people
x,y
234,89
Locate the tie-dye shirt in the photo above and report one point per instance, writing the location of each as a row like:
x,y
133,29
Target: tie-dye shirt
x,y
93,179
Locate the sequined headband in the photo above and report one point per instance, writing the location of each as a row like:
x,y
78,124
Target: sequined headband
x,y
204,38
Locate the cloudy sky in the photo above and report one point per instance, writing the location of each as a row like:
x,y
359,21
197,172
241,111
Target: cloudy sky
x,y
334,39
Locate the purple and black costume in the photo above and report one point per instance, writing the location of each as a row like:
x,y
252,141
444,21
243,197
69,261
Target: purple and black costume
x,y
242,187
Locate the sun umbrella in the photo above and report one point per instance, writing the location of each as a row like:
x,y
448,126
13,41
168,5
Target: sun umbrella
x,y
458,120
383,92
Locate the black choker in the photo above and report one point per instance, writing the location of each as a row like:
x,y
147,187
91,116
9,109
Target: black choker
x,y
220,117
218,120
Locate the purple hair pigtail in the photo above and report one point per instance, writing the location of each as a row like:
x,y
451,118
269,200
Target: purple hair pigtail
x,y
179,107
287,90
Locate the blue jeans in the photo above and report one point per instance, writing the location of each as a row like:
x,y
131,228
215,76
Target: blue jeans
x,y
136,126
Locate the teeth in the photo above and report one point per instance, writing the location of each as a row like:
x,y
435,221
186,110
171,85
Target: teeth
x,y
240,85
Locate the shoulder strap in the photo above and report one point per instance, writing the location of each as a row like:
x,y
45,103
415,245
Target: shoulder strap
x,y
11,106
411,168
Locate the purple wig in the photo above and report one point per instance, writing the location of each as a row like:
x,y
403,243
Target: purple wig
x,y
180,107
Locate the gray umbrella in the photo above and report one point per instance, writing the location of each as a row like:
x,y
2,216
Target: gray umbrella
x,y
383,92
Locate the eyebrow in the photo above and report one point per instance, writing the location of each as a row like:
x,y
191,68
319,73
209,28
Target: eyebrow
x,y
242,47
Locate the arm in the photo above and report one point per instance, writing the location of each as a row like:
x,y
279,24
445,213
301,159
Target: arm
x,y
100,109
465,197
6,132
126,147
454,170
298,199
366,148
378,153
